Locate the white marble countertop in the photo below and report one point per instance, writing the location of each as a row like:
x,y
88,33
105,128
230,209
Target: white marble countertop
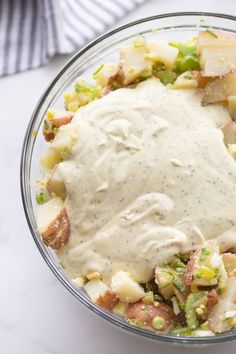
x,y
37,314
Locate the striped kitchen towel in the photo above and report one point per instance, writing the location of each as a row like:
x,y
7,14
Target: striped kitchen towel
x,y
32,31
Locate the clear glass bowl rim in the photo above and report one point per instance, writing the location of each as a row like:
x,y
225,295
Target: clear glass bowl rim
x,y
168,338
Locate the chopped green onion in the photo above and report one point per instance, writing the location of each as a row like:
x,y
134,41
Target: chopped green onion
x,y
211,33
98,70
204,254
166,76
181,331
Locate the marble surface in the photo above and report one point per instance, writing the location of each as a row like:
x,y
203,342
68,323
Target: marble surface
x,y
37,315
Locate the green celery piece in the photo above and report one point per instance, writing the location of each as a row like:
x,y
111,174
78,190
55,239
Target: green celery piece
x,y
187,49
178,282
191,317
181,331
166,76
189,62
84,88
40,199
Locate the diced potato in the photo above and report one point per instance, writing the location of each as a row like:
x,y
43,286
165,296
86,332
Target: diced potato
x,y
55,184
121,308
93,275
220,89
212,38
79,282
53,223
48,212
162,52
64,140
232,106
217,52
217,61
186,80
49,159
232,150
133,63
229,131
217,316
95,288
229,260
126,288
103,73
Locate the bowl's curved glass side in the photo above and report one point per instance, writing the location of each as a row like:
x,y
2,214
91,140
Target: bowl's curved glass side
x,y
178,26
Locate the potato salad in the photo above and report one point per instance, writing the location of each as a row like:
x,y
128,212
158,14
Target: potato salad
x,y
138,189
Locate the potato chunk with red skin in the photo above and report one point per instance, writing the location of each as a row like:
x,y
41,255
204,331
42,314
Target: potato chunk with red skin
x,y
58,232
217,319
212,299
145,313
188,277
217,51
51,126
108,300
220,89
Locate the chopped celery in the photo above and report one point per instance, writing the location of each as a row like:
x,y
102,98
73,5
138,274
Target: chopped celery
x,y
186,63
40,198
84,87
188,48
181,331
165,278
178,282
190,311
166,76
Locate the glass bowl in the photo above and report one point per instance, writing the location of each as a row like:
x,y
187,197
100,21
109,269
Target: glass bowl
x,y
172,27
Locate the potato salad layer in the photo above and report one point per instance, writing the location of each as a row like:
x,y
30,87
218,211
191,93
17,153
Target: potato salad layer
x,y
138,191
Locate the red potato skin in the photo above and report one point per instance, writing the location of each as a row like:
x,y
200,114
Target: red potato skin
x,y
145,313
58,232
188,277
108,301
51,125
119,77
212,299
58,122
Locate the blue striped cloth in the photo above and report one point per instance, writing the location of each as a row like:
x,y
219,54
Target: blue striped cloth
x,y
32,31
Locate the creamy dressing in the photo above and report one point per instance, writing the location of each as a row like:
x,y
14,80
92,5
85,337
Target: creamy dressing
x,y
150,176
